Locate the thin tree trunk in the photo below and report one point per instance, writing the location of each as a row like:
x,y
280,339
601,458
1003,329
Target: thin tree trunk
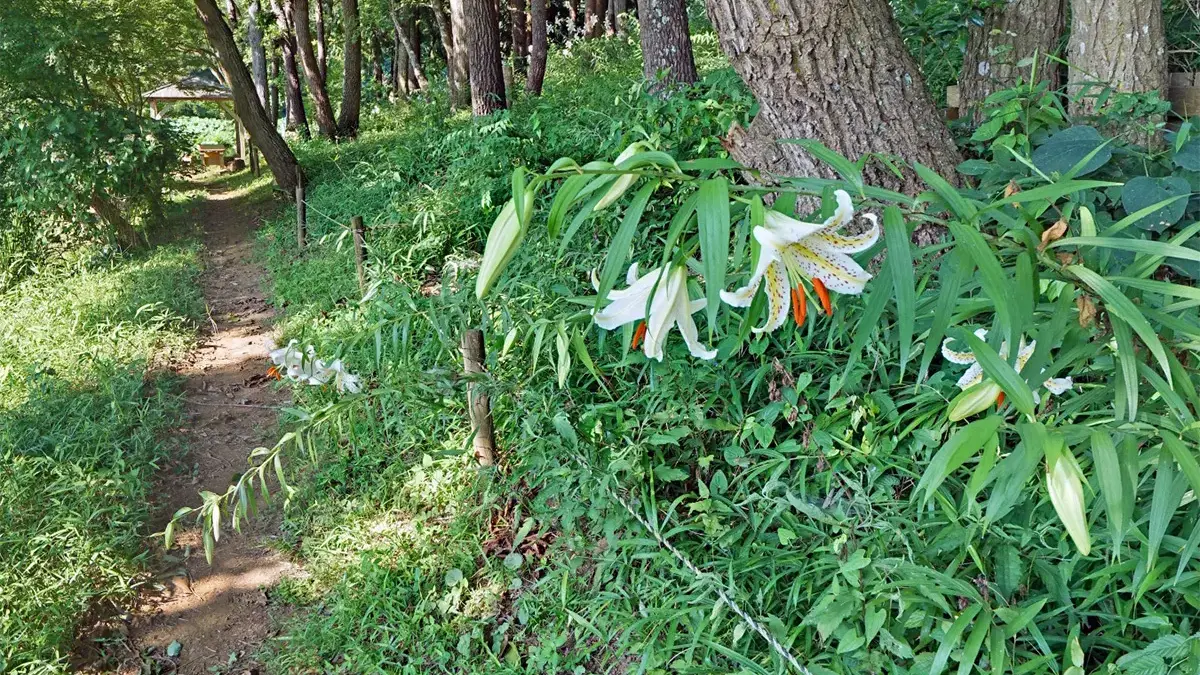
x,y
400,63
666,43
537,52
273,88
483,43
258,55
312,72
460,65
446,32
1118,44
297,119
412,31
403,31
351,70
111,214
1011,32
246,105
619,7
593,18
516,18
322,41
377,58
835,71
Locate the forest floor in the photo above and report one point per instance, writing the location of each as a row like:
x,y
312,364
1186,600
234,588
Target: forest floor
x,y
218,614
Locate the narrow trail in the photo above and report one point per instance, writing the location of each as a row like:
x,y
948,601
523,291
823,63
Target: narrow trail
x,y
220,610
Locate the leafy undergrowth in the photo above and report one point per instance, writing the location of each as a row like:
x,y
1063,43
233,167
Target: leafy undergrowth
x,y
792,471
81,425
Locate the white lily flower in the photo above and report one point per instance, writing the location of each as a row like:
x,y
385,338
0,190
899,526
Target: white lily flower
x,y
792,250
305,368
343,379
1056,386
669,307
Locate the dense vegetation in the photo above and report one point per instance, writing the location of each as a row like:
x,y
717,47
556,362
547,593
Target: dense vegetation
x,y
880,482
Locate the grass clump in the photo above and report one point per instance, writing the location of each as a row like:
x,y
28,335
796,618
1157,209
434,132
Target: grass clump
x,y
81,426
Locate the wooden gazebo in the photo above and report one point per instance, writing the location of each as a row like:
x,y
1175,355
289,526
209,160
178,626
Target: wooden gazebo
x,y
200,86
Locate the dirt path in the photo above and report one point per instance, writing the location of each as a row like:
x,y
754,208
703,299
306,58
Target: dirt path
x,y
219,613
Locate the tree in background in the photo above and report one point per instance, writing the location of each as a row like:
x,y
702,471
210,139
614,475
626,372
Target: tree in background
x,y
322,36
538,47
245,102
1011,32
483,48
520,40
832,70
666,42
351,70
297,119
312,70
454,80
406,28
460,63
1118,43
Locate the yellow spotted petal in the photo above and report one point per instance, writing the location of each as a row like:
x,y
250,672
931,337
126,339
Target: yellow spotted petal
x,y
778,298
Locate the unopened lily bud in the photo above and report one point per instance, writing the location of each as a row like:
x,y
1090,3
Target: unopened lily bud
x,y
974,399
1064,481
622,183
503,240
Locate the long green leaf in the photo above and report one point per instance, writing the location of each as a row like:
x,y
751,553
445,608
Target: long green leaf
x,y
1162,507
995,282
962,446
970,652
1050,193
958,205
868,321
1117,499
1157,248
1125,310
1127,400
951,638
618,248
900,264
1002,373
712,210
953,272
1185,458
844,167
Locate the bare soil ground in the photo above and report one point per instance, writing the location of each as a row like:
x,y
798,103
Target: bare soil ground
x,y
218,613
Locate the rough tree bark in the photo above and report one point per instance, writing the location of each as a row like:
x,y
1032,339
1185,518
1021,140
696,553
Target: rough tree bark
x,y
322,41
836,71
273,88
537,49
312,71
1011,32
412,33
459,64
399,64
258,55
246,105
403,32
517,19
1118,43
351,70
297,119
483,48
666,43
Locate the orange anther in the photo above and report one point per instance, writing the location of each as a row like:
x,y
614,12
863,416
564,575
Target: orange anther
x,y
638,335
799,305
823,294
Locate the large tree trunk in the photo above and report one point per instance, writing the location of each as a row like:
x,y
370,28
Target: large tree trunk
x,y
1117,43
245,104
322,41
619,7
312,71
351,70
399,64
666,43
442,17
537,50
459,64
516,18
404,29
483,47
1011,32
412,33
593,18
835,71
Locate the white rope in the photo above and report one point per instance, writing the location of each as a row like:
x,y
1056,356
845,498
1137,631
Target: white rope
x,y
703,576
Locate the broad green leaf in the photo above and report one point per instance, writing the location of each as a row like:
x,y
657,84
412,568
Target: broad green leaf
x,y
844,167
1114,487
563,364
1062,152
1162,506
962,446
563,200
1122,308
1142,192
618,248
1001,373
900,264
712,209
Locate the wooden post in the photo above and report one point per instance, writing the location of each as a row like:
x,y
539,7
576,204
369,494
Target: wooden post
x,y
301,211
478,403
360,252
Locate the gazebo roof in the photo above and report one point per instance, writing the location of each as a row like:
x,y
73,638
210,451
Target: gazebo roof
x,y
201,85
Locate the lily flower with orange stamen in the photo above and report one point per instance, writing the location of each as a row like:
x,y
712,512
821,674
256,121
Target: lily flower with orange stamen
x,y
667,296
1055,386
792,251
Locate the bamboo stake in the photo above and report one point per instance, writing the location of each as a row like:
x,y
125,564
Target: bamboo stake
x,y
478,402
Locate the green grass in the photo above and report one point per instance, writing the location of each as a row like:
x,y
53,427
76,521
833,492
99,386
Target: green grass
x,y
84,415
